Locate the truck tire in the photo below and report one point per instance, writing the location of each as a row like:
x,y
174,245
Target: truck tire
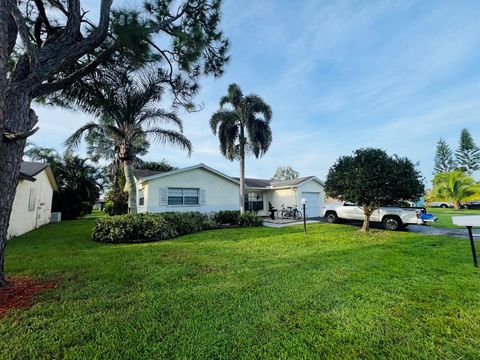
x,y
331,217
392,223
444,206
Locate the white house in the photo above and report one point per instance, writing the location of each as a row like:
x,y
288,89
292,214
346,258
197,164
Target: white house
x,y
32,206
201,188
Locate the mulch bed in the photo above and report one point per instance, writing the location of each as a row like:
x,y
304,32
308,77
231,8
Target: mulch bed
x,y
21,293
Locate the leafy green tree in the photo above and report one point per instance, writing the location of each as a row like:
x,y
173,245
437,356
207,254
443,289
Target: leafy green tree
x,y
242,129
371,179
444,161
285,173
79,183
468,154
456,187
125,105
163,166
47,46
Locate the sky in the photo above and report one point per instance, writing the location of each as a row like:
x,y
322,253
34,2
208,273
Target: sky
x,y
339,75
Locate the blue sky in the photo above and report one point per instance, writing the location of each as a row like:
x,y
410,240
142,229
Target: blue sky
x,y
339,75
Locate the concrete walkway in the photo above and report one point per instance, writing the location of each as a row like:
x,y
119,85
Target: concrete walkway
x,y
274,224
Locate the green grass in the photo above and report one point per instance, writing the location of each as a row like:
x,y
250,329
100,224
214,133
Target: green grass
x,y
246,293
445,216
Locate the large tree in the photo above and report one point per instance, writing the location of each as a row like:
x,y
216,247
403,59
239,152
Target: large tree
x,y
242,129
371,179
283,173
456,187
46,46
444,161
126,105
467,154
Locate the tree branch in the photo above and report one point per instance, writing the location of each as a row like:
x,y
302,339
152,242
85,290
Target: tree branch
x,y
24,35
47,88
74,18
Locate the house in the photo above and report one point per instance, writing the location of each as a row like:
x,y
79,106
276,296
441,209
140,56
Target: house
x,y
202,188
32,205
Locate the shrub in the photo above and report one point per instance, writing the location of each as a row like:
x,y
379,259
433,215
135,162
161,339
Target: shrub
x,y
117,203
188,222
152,227
249,219
226,217
133,229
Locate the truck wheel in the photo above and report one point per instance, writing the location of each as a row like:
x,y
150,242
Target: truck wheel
x,y
392,223
444,206
331,217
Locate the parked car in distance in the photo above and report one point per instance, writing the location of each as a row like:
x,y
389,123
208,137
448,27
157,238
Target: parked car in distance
x,y
441,204
392,217
472,205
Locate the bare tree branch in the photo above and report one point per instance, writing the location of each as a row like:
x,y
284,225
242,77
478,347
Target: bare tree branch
x,y
48,88
24,35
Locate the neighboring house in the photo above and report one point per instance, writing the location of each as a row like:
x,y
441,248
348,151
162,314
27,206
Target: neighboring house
x,y
32,205
201,188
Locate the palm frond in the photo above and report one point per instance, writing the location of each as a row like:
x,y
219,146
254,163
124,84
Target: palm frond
x,y
172,137
73,141
222,116
151,116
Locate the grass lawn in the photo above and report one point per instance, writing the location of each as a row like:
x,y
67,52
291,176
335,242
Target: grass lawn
x,y
445,216
246,293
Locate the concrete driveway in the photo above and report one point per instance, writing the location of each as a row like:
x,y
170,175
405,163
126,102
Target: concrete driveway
x,y
419,229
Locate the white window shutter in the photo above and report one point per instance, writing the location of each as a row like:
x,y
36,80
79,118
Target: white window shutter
x,y
203,199
164,196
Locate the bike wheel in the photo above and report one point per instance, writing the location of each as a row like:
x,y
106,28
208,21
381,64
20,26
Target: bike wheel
x,y
298,215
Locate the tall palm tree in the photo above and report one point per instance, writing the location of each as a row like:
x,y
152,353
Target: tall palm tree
x,y
124,102
242,129
455,187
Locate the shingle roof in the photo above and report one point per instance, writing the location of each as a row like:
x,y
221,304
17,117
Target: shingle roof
x,y
249,182
29,169
291,182
139,174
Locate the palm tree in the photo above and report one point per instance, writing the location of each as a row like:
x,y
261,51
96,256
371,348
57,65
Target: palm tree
x,y
124,102
455,187
243,129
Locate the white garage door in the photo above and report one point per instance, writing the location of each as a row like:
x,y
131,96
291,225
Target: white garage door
x,y
313,203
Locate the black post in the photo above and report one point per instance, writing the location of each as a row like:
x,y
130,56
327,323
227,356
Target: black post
x,y
304,221
472,245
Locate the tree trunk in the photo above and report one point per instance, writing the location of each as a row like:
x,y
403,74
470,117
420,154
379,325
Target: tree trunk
x,y
366,219
17,118
130,183
242,171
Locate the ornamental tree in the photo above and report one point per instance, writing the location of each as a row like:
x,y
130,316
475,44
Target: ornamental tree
x,y
371,179
468,153
283,173
48,45
456,187
444,161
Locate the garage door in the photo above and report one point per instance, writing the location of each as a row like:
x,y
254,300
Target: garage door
x,y
313,203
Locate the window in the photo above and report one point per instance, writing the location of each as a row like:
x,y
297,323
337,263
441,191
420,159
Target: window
x,y
141,198
253,201
181,196
32,199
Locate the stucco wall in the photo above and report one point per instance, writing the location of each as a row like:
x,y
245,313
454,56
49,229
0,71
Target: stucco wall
x,y
22,220
220,193
278,197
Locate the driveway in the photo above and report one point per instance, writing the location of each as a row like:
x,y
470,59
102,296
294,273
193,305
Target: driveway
x,y
419,229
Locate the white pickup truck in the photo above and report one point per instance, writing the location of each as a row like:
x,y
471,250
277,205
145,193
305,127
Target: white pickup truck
x,y
392,218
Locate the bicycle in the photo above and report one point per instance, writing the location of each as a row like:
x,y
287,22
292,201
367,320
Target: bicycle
x,y
291,212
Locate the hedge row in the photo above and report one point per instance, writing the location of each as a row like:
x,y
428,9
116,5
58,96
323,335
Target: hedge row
x,y
152,227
